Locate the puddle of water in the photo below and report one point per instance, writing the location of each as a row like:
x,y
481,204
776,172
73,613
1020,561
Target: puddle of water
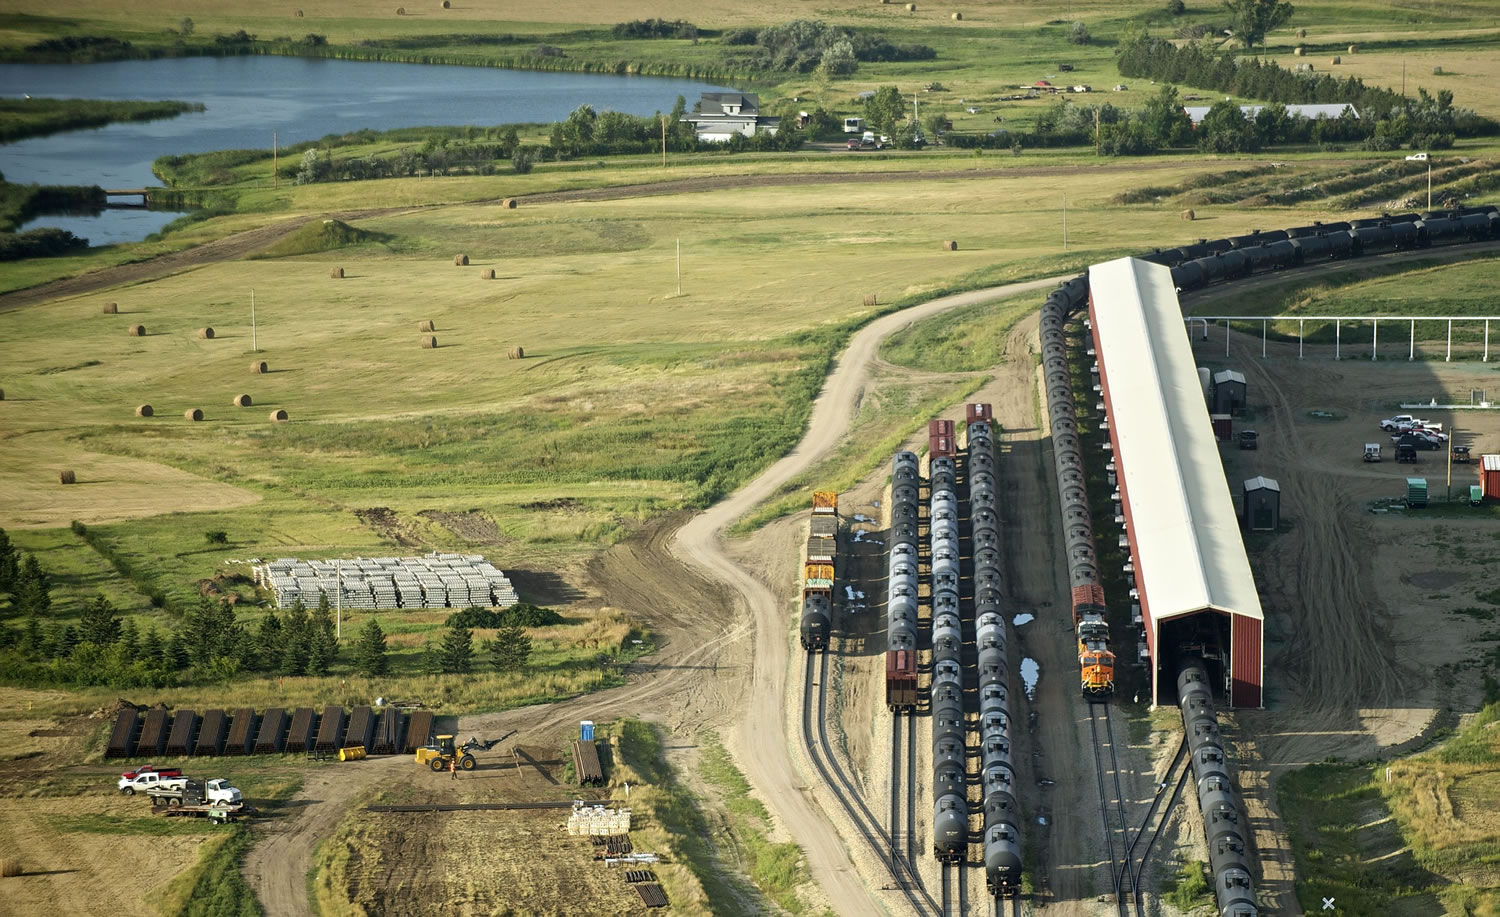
x,y
850,594
1030,672
859,535
1024,617
861,518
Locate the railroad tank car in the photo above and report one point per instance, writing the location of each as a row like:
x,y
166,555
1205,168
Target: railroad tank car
x,y
950,829
1256,237
947,634
1002,859
816,622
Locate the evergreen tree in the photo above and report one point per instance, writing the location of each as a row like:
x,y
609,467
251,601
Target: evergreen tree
x,y
369,651
10,563
34,589
151,647
456,655
269,644
130,640
178,657
33,640
212,631
66,642
322,644
511,649
294,642
100,624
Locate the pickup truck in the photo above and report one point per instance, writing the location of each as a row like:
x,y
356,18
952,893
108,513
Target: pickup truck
x,y
195,793
148,781
153,769
1392,424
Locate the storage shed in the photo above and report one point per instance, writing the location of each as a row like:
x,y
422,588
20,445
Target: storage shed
x,y
1262,504
1489,476
1229,392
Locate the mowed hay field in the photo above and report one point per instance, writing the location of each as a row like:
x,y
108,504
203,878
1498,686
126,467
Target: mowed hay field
x,y
630,400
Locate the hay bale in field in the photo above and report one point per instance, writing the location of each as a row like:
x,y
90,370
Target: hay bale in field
x,y
206,333
911,7
1336,60
242,401
337,273
143,410
460,260
950,246
111,308
193,414
958,17
10,868
508,203
447,4
487,274
426,325
1189,216
66,476
299,14
1299,50
137,331
1437,71
516,353
1354,49
400,11
429,342
2,394
1301,33
278,415
259,368
870,299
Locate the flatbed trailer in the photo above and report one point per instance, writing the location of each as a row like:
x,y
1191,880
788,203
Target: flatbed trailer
x,y
217,812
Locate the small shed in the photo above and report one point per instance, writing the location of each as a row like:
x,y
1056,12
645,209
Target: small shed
x,y
1416,492
1223,427
1489,476
1229,392
1262,504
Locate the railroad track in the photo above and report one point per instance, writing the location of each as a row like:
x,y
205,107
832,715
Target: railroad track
x,y
820,752
911,786
1119,867
1139,868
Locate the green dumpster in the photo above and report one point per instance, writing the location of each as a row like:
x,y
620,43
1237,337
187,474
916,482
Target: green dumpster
x,y
1476,495
1416,492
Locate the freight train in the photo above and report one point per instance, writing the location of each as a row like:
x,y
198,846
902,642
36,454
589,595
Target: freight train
x,y
1002,813
818,572
901,585
1228,862
950,806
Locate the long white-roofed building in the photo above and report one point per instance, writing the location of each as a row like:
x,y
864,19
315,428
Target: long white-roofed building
x,y
1196,591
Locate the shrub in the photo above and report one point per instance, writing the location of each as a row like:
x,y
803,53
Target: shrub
x,y
523,615
1078,34
216,536
1176,7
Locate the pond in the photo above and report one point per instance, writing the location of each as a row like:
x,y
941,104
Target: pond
x,y
247,98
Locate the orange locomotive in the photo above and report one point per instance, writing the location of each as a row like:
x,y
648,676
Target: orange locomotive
x,y
1096,663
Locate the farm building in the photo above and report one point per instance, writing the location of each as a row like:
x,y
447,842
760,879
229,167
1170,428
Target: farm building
x,y
1197,113
1229,392
1489,475
1262,502
718,116
1197,595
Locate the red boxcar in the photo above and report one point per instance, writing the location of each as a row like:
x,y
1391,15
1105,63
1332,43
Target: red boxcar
x,y
939,428
1086,596
901,679
978,412
939,446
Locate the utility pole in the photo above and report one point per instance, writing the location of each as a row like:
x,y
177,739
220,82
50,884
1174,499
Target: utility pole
x,y
273,158
1403,79
254,348
679,266
1429,181
663,141
338,625
1065,222
1096,130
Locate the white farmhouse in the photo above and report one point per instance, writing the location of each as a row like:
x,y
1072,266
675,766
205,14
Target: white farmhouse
x,y
720,115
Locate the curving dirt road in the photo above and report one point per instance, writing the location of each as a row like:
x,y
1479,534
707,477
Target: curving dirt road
x,y
761,749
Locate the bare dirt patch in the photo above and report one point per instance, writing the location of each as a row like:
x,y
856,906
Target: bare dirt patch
x,y
384,520
474,526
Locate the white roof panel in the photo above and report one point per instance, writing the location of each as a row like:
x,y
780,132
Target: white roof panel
x,y
1189,555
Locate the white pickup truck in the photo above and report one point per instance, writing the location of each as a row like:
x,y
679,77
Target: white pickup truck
x,y
147,781
1400,421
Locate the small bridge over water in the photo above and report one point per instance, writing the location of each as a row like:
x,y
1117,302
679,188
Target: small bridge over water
x,y
112,197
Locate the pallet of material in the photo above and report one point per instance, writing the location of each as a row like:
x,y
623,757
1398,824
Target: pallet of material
x,y
651,894
586,764
331,729
299,737
184,730
122,736
418,730
387,733
153,740
639,875
211,733
272,736
241,732
361,727
825,526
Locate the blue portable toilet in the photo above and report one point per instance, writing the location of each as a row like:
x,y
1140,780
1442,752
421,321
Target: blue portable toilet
x,y
586,730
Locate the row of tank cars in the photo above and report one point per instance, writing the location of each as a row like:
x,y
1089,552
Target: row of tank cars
x,y
1217,797
1206,262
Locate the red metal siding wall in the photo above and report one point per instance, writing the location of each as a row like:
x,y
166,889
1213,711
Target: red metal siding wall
x,y
1244,662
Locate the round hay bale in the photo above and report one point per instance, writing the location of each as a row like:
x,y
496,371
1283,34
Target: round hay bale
x,y
278,415
958,17
194,414
2,394
1336,60
206,333
242,401
447,4
299,14
111,308
460,260
259,368
426,325
870,299
1299,50
400,11
137,331
1189,216
66,476
487,274
429,342
143,410
950,246
1437,71
509,203
1301,33
1354,49
10,868
516,353
911,7
337,273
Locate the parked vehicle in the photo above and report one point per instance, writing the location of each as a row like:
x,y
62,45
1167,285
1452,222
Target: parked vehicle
x,y
1406,452
148,781
1461,454
152,769
195,792
1249,439
1419,438
1392,424
1372,452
